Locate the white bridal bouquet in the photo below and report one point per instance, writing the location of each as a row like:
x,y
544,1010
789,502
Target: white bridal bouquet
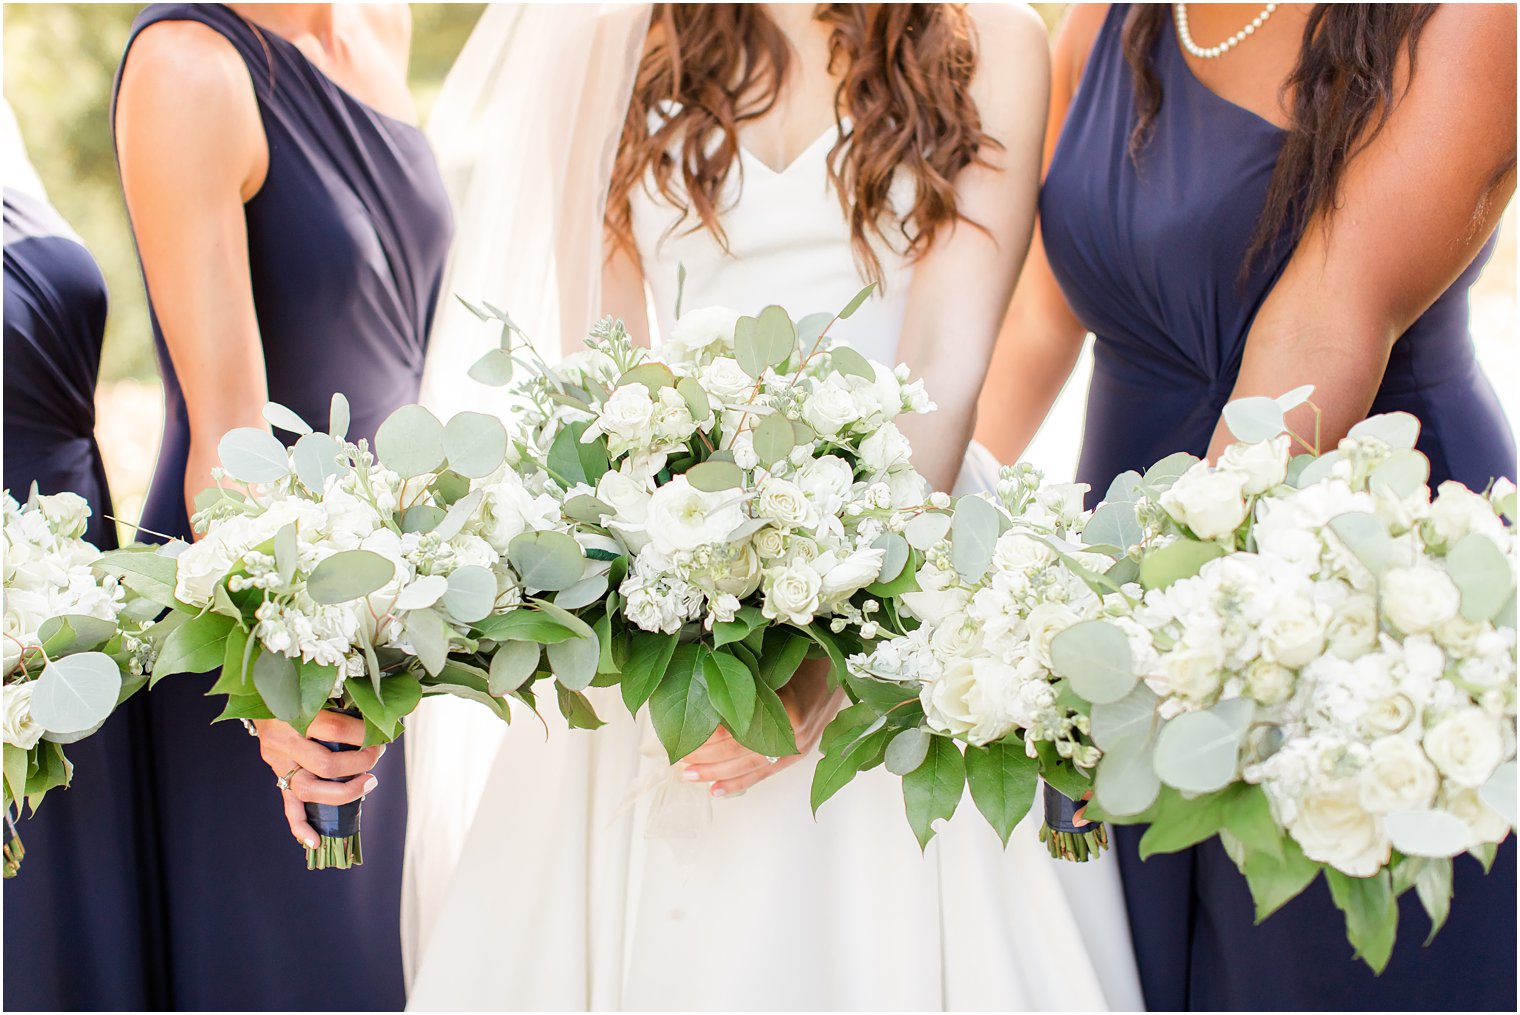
x,y
74,648
1310,656
739,488
355,580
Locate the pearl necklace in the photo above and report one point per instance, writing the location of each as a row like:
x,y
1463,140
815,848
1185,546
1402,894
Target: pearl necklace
x,y
1214,52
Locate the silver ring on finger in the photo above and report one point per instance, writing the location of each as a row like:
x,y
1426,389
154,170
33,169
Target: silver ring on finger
x,y
283,781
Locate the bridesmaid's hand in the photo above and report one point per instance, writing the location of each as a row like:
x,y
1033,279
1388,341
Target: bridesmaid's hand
x,y
311,768
733,768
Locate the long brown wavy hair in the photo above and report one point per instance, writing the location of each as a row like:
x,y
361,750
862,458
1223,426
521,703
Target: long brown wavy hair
x,y
904,76
1343,91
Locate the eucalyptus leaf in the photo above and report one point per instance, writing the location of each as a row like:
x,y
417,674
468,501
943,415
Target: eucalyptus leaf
x,y
471,593
653,376
907,750
1293,399
1126,783
586,508
1095,656
421,518
1197,752
493,369
253,455
349,575
1125,488
588,590
1398,430
697,401
315,457
286,552
773,439
1499,792
1481,572
894,558
715,477
1113,524
767,342
856,301
1254,419
338,416
458,514
1167,471
1318,470
1176,561
512,665
282,418
851,363
1130,720
429,636
1427,833
1400,474
421,593
475,444
574,661
546,561
410,441
1366,536
925,531
974,530
811,328
75,692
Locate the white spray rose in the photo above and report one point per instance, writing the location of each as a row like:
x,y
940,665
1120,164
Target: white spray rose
x,y
783,502
1192,673
1211,503
769,543
672,423
1044,622
1419,598
627,418
1333,828
1466,746
792,594
507,510
1262,466
20,729
1398,777
1268,682
1293,633
1353,629
725,380
1457,511
830,407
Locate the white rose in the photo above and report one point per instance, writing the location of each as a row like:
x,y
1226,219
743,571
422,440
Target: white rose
x,y
507,510
1263,465
1192,673
825,479
959,636
725,380
67,513
743,574
783,502
792,594
885,449
1388,715
672,423
1210,502
1018,551
681,517
770,544
627,417
1353,629
1486,823
830,407
1467,745
1044,622
1457,511
1419,598
852,574
972,698
1269,683
1333,828
1398,777
700,329
20,729
1293,633
629,500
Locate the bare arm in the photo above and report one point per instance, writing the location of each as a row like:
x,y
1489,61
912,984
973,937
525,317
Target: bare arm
x,y
1415,207
192,150
961,287
1040,337
623,294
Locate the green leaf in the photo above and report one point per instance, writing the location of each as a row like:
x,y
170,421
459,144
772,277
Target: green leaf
x,y
195,646
1254,419
76,693
235,676
932,791
856,301
1273,883
1372,915
493,369
766,342
75,632
1113,524
730,687
1482,574
338,416
547,561
1003,779
429,636
574,661
1398,430
244,706
1095,656
475,444
399,695
1060,773
1164,473
648,658
773,439
746,619
349,575
851,363
279,684
811,328
769,730
715,476
1197,752
837,767
523,625
316,690
895,551
316,458
512,665
1130,719
577,710
974,530
253,455
784,653
1433,888
653,376
471,594
410,441
573,461
282,418
907,750
1248,817
1176,561
421,518
1366,536
680,707
1178,822
15,774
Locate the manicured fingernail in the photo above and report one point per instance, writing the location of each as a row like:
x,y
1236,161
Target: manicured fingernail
x,y
719,791
369,785
691,775
382,752
311,843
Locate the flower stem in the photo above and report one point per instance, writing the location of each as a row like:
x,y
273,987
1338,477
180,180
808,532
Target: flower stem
x,y
335,853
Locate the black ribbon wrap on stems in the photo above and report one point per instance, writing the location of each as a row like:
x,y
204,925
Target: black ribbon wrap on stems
x,y
339,846
1061,834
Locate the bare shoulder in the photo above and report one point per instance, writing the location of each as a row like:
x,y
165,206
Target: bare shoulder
x,y
189,72
1074,40
1013,61
1466,54
392,25
1005,29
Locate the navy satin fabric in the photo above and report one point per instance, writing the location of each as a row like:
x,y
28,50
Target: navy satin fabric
x,y
1149,261
347,240
82,928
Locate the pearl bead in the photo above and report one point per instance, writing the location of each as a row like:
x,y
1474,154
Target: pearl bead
x,y
1180,15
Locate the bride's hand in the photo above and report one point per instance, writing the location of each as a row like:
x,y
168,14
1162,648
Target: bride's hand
x,y
310,768
733,768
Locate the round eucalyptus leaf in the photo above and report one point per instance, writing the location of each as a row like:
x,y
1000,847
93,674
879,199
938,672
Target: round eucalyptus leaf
x,y
73,737
423,592
278,682
493,369
280,417
586,508
1366,536
1125,489
1113,524
1197,752
1293,399
715,477
1432,833
548,561
894,556
421,518
697,401
337,416
1132,719
253,455
1094,655
574,661
1318,470
851,363
974,530
349,575
458,514
76,692
776,333
1255,419
811,328
588,590
927,530
410,441
1398,430
907,751
773,439
316,459
1499,791
1481,573
1126,783
475,444
512,665
1400,474
1167,471
653,376
471,593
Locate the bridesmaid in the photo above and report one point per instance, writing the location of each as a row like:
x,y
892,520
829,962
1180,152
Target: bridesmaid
x,y
293,229
1238,202
82,920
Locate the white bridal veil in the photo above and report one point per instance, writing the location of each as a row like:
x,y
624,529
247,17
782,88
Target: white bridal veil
x,y
525,129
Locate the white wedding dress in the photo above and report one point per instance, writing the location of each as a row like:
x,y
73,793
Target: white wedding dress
x,y
593,879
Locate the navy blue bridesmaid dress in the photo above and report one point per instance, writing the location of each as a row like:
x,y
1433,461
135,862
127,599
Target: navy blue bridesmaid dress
x,y
82,927
347,240
1149,261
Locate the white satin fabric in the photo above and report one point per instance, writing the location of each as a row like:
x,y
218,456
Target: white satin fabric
x,y
592,878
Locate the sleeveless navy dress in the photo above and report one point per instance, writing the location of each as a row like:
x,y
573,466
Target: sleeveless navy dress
x,y
1149,261
347,240
82,927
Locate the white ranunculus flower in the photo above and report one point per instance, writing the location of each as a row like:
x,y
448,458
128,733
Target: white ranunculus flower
x,y
1334,828
972,698
681,517
1293,633
885,449
1353,629
1419,598
725,380
1262,466
1398,777
1486,823
699,330
1466,745
1210,502
628,497
1044,622
792,594
825,479
206,562
20,729
907,488
830,407
783,502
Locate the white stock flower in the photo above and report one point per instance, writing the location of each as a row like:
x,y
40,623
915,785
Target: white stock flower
x,y
20,729
1466,745
1398,777
1262,466
1211,502
1457,511
681,517
1419,598
1332,827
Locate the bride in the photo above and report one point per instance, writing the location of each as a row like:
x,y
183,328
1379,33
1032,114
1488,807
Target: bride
x,y
739,155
